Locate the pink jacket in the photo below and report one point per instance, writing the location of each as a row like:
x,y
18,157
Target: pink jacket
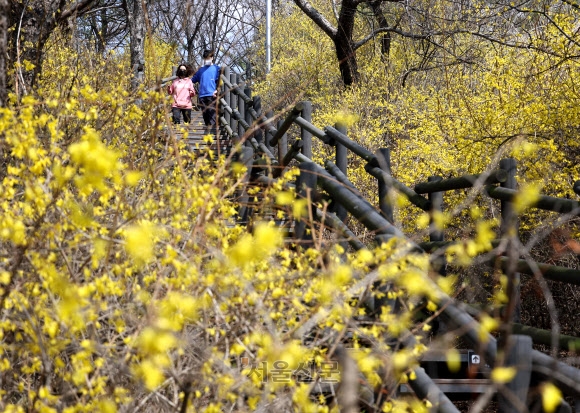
x,y
182,91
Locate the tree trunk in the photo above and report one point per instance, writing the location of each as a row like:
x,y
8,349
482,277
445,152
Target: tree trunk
x,y
100,29
135,11
342,36
31,25
382,21
4,10
192,31
344,45
346,61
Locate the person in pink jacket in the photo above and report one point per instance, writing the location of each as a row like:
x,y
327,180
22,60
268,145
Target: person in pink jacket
x,y
182,91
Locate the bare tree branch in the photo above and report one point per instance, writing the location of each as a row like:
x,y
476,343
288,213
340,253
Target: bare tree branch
x,y
317,17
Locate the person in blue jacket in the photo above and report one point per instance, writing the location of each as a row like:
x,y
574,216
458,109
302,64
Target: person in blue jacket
x,y
208,77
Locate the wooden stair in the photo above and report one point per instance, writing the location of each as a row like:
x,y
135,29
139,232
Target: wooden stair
x,y
196,134
470,379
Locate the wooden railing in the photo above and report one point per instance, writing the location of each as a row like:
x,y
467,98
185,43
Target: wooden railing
x,y
265,136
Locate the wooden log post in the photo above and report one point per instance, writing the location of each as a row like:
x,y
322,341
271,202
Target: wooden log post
x,y
259,132
293,150
347,392
280,138
285,125
382,299
305,134
436,234
234,105
513,394
509,229
341,158
249,104
358,207
267,135
247,116
282,143
267,132
436,198
385,205
306,186
576,187
242,110
227,95
247,158
340,176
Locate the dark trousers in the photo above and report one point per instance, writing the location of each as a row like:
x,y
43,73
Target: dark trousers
x,y
178,112
207,104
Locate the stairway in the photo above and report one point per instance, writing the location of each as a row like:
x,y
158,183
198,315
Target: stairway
x,y
466,381
196,136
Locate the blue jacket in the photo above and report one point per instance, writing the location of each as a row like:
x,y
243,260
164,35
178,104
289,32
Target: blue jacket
x,y
208,79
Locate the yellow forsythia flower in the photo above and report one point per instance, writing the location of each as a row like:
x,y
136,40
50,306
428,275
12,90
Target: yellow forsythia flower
x,y
503,374
140,242
551,397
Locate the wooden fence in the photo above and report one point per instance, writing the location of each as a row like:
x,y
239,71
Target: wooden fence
x,y
263,144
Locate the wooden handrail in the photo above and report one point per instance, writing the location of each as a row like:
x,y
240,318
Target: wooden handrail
x,y
351,145
236,89
359,207
340,189
294,113
292,151
411,195
462,182
548,203
303,123
550,272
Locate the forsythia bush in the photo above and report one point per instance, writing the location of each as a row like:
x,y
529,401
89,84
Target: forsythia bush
x,y
447,120
126,284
